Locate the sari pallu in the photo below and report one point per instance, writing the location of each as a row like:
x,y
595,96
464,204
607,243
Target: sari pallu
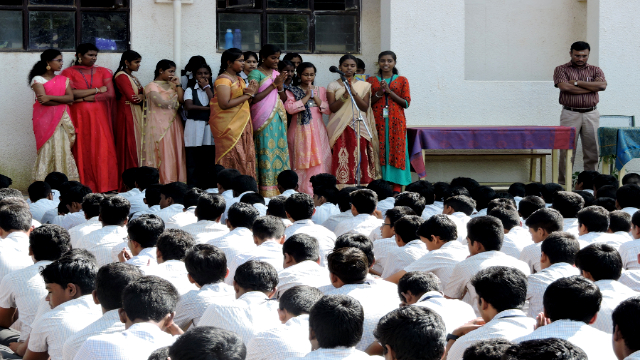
x,y
128,123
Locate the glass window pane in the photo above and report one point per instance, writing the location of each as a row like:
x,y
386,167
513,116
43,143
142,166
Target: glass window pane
x,y
336,33
329,4
51,2
11,30
103,3
108,30
52,29
288,4
239,30
289,32
11,2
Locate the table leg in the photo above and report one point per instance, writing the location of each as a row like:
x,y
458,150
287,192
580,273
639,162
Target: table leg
x,y
533,170
543,169
621,174
605,166
568,179
555,165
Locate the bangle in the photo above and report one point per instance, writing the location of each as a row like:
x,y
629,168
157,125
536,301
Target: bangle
x,y
97,90
406,104
281,90
208,86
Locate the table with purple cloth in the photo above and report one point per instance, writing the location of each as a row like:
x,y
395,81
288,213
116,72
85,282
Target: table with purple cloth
x,y
555,138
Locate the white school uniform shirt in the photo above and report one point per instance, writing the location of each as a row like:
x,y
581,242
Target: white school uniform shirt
x,y
531,255
146,257
482,212
212,190
262,209
193,304
130,194
175,272
269,251
602,237
441,261
53,328
18,240
629,254
135,343
595,343
247,315
281,342
630,210
303,273
404,256
49,215
537,284
454,313
360,224
109,323
56,197
507,324
197,132
631,278
40,207
137,201
323,212
571,225
382,250
613,293
166,213
103,242
332,222
460,219
431,210
338,353
459,285
23,290
69,220
288,192
80,231
634,356
624,234
149,210
12,259
205,230
515,240
326,239
237,241
386,204
180,220
376,234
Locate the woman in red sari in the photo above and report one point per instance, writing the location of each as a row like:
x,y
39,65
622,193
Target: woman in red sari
x,y
92,112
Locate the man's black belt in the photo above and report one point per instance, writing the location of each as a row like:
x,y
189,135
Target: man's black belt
x,y
580,110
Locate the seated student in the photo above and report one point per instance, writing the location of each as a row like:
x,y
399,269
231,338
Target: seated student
x,y
69,282
384,190
601,180
209,182
145,177
257,201
206,267
344,205
409,246
276,208
465,182
91,209
208,212
325,199
533,189
548,349
204,342
439,191
628,198
439,234
457,191
607,191
425,289
571,304
492,349
226,179
151,201
55,179
288,183
110,283
484,235
415,201
322,180
291,338
299,209
528,205
251,312
364,244
501,296
620,224
588,198
143,232
427,191
631,278
171,248
626,344
363,205
541,224
517,190
585,180
41,199
459,209
171,200
502,200
516,237
382,248
549,191
114,212
239,239
607,203
148,308
242,185
129,183
268,235
72,198
301,264
558,256
629,250
348,268
482,195
187,216
593,224
15,225
602,264
568,205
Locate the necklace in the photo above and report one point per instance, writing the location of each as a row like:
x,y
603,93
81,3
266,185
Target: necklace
x,y
264,71
89,86
225,72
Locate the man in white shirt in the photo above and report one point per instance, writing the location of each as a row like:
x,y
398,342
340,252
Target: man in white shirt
x,y
114,212
541,224
501,296
299,209
41,199
171,248
593,224
256,200
128,183
384,191
363,205
208,212
516,237
242,185
187,216
386,244
571,304
140,248
410,247
110,283
91,209
15,226
324,199
427,191
629,250
558,253
148,308
620,224
291,338
528,205
459,209
287,183
301,264
482,195
568,205
203,342
226,179
145,177
628,198
240,238
253,311
625,335
171,200
484,235
72,197
343,200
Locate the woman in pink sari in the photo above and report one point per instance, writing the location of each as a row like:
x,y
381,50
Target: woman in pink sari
x,y
52,126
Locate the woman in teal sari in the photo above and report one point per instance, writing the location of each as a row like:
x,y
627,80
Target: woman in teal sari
x,y
269,121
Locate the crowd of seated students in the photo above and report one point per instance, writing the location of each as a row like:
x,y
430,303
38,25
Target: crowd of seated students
x,y
454,271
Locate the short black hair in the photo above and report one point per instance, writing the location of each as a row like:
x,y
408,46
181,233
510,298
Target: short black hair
x,y
606,202
173,244
364,200
208,343
145,229
55,179
398,212
456,190
619,221
329,193
572,298
268,227
129,177
175,190
111,281
508,216
49,242
256,276
252,198
114,210
440,189
487,230
149,298
152,194
588,197
503,287
226,178
627,196
337,321
147,176
560,247
210,207
548,349
78,270
608,191
491,349
586,178
357,241
461,203
78,253
10,193
159,354
419,283
276,207
580,46
210,178
244,183
546,218
424,188
595,218
323,180
625,317
517,189
635,218
604,180
568,204
529,204
407,227
38,190
301,247
91,205
631,178
242,215
206,264
288,179
549,191
505,200
15,216
415,201
482,195
344,198
601,260
468,183
382,188
533,189
75,193
192,196
299,206
412,332
299,299
349,264
438,225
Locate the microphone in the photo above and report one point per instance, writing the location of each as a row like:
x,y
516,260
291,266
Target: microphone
x,y
334,69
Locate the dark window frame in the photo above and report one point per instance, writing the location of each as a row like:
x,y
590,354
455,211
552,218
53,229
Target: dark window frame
x,y
75,8
264,11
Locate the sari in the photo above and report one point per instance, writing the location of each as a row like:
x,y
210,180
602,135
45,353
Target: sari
x,y
232,130
128,123
162,133
94,150
54,132
342,138
270,135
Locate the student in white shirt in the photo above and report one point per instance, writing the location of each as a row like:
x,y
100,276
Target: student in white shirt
x,y
325,199
301,264
585,180
459,209
299,208
427,191
409,247
171,200
187,216
629,250
384,190
242,185
548,349
363,205
344,205
482,195
226,179
15,225
143,232
72,196
593,224
528,205
110,283
276,208
386,245
128,183
91,209
628,198
171,248
203,342
549,192
501,296
518,191
256,200
287,183
209,183
568,205
516,237
240,238
620,224
541,224
41,199
151,201
114,211
145,177
148,308
626,338
208,212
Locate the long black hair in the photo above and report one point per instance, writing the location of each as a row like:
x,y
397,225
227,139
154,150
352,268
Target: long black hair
x,y
229,55
291,56
83,49
163,64
40,68
393,56
129,56
192,82
193,62
302,67
266,51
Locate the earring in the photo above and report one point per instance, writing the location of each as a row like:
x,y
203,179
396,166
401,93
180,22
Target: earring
x,y
48,67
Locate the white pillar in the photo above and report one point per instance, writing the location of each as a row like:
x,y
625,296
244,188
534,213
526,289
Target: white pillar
x,y
177,27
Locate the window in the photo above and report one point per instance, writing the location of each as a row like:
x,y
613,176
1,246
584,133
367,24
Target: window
x,y
37,25
303,26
